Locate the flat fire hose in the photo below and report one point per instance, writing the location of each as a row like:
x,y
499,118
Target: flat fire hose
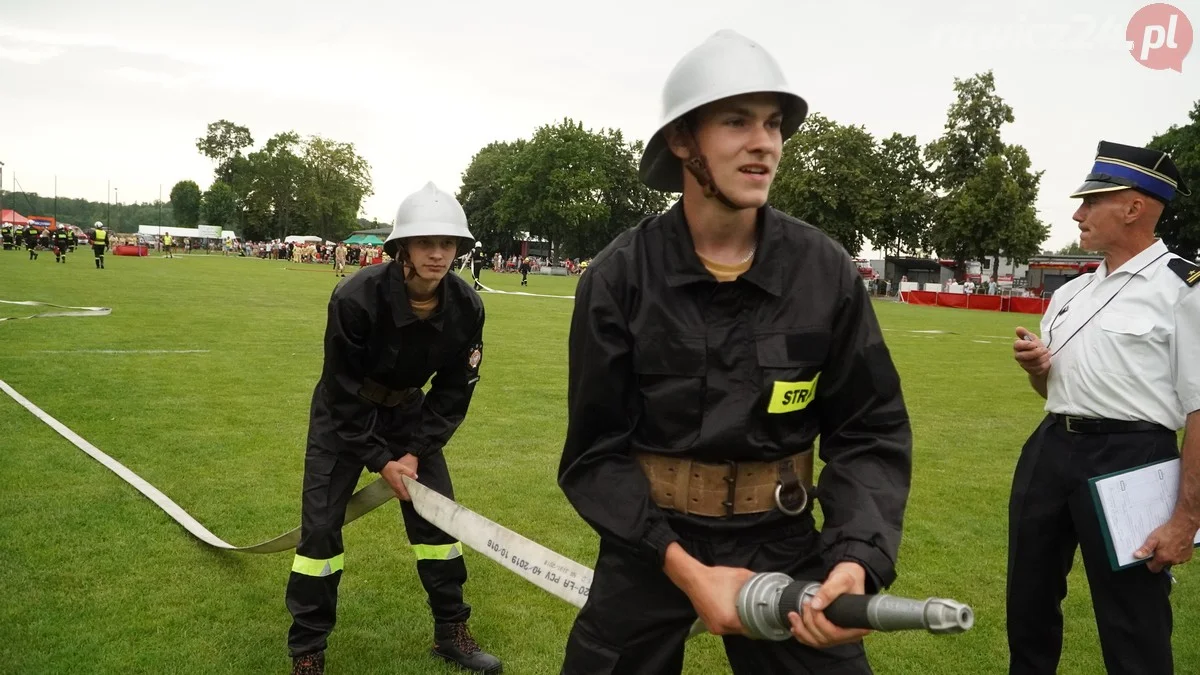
x,y
560,576
72,311
361,503
552,572
529,560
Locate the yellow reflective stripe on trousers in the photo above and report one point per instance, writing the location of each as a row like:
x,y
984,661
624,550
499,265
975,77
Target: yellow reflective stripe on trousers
x,y
438,551
314,567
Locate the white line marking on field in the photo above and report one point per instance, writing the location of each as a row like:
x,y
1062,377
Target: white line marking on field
x,y
532,295
124,351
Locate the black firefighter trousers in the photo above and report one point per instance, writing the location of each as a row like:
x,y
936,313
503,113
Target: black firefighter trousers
x,y
1050,511
329,481
636,621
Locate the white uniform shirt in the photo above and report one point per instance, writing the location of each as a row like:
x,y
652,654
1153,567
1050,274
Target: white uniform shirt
x,y
1138,358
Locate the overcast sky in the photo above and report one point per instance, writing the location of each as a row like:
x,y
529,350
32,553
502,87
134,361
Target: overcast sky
x,y
92,94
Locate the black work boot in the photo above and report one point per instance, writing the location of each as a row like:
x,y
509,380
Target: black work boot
x,y
453,642
309,664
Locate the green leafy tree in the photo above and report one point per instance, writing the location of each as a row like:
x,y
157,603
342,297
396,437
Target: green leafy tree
x,y
332,186
483,183
1179,226
219,205
185,203
271,204
223,143
829,176
556,183
906,188
986,188
574,187
972,131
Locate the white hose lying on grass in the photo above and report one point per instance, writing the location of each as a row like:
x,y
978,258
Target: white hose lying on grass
x,y
78,311
361,503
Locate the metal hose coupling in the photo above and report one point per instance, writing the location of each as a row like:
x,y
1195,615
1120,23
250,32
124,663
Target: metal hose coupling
x,y
764,602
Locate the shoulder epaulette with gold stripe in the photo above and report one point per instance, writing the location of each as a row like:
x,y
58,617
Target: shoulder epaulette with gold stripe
x,y
1188,271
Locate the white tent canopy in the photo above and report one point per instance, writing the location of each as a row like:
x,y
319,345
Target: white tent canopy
x,y
302,239
179,232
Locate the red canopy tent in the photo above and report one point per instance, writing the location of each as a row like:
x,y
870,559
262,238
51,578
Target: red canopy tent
x,y
10,216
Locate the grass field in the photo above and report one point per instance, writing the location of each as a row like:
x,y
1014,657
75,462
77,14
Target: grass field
x,y
96,579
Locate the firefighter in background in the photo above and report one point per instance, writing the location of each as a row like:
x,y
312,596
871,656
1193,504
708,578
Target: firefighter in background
x,y
339,260
478,260
6,232
31,241
526,265
62,243
168,243
99,243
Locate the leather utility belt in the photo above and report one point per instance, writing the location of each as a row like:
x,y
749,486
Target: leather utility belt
x,y
729,488
1091,425
389,398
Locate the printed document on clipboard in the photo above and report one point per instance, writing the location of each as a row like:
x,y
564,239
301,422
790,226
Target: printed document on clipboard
x,y
1131,504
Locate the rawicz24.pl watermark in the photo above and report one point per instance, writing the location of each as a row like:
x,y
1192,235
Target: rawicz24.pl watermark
x,y
1159,36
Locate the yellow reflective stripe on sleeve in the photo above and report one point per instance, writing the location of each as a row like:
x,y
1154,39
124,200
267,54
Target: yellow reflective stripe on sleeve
x,y
318,568
789,397
438,551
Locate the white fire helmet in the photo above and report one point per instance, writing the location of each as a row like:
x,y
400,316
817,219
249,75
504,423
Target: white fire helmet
x,y
726,64
429,212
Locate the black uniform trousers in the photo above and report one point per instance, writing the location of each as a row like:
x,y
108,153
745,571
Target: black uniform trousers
x,y
1051,511
98,251
636,621
329,482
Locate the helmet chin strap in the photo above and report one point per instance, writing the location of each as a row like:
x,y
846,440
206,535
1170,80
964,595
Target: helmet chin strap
x,y
697,165
410,271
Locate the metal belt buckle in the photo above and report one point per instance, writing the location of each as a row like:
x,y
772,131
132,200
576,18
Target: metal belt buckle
x,y
1067,423
787,471
731,481
779,500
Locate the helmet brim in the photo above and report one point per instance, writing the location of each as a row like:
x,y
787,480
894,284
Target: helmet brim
x,y
430,229
661,169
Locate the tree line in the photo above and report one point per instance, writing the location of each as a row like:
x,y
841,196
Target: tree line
x,y
291,184
84,213
967,195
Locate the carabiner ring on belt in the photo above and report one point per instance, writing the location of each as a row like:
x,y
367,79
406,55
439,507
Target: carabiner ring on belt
x,y
779,501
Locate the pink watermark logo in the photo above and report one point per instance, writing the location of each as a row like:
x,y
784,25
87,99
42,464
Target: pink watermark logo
x,y
1159,36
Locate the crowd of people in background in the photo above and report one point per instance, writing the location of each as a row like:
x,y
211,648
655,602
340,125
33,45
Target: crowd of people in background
x,y
514,263
296,252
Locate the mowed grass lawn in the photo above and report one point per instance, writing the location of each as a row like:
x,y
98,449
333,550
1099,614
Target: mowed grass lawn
x,y
96,579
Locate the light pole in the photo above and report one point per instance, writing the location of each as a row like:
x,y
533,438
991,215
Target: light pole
x,y
117,201
2,188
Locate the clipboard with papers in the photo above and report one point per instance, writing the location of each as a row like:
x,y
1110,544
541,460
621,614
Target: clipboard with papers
x,y
1133,503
